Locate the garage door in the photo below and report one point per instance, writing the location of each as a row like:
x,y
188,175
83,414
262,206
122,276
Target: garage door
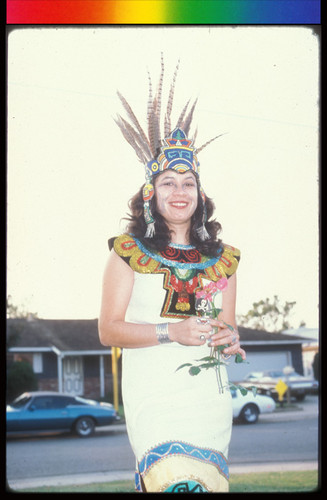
x,y
259,361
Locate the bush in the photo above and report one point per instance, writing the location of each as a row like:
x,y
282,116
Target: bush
x,y
20,378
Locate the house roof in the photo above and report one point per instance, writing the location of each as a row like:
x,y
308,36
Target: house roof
x,y
251,336
82,335
65,335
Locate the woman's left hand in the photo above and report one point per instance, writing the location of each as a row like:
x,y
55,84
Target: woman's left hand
x,y
227,336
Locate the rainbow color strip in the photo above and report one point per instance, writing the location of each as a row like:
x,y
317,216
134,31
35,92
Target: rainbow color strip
x,y
163,11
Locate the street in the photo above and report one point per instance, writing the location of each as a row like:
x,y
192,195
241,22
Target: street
x,y
292,437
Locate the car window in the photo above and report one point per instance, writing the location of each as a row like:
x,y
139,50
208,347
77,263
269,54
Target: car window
x,y
42,402
61,401
20,401
254,375
275,374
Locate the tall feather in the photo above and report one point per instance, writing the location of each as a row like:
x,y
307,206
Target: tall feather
x,y
132,117
167,128
157,100
150,119
208,142
195,135
181,118
138,140
124,127
187,122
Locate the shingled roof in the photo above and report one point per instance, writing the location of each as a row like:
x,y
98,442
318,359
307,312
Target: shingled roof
x,y
250,336
66,335
82,335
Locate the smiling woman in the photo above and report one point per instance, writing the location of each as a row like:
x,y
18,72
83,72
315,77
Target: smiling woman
x,y
179,428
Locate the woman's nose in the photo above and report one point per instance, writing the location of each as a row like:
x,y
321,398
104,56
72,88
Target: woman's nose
x,y
178,189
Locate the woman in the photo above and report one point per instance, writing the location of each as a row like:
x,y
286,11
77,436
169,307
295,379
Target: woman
x,y
179,426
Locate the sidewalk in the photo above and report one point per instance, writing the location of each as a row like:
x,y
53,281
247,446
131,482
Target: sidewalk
x,y
105,477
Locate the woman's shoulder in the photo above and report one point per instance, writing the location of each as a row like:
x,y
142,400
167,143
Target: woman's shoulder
x,y
122,243
125,244
230,250
227,263
132,251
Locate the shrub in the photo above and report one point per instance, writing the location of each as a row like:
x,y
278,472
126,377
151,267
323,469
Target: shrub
x,y
20,378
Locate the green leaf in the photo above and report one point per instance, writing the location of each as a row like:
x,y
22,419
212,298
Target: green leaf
x,y
182,366
194,370
222,347
212,364
206,358
239,359
243,390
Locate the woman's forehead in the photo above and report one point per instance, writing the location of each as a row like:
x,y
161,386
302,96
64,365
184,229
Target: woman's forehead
x,y
176,175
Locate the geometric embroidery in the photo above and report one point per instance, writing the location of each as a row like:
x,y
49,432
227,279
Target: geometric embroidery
x,y
186,487
171,448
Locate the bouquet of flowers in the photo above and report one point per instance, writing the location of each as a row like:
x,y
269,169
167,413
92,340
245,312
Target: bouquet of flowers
x,y
205,306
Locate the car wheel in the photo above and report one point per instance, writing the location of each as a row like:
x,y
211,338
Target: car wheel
x,y
250,414
84,426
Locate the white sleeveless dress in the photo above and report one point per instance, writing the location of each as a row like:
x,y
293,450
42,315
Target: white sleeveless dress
x,y
179,425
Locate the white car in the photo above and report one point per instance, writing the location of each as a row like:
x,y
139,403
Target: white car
x,y
266,382
248,407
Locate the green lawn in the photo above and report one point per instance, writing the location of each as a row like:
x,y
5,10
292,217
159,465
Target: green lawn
x,y
264,482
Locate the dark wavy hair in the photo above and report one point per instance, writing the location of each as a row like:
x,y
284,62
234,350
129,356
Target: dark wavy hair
x,y
137,226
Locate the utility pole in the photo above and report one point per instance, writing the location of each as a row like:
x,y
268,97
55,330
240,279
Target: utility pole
x,y
115,354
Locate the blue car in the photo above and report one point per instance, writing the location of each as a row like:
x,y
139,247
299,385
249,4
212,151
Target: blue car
x,y
53,411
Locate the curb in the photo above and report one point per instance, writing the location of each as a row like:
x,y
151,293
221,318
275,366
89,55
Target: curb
x,y
106,477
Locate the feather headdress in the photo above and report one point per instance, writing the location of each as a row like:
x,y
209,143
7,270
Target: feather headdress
x,y
174,150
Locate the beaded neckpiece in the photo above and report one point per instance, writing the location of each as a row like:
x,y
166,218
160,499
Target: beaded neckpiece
x,y
179,256
182,247
184,269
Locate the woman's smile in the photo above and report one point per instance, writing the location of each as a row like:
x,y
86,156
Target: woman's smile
x,y
178,204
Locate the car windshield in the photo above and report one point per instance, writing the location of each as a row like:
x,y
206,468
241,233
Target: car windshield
x,y
254,375
275,374
20,401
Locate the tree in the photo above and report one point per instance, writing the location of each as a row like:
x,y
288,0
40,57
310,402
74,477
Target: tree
x,y
269,315
20,378
14,329
16,312
20,374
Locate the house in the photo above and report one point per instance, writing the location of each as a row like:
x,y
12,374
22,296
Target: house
x,y
67,356
310,346
266,350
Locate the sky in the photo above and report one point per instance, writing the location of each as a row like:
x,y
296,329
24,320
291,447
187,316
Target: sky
x,y
71,173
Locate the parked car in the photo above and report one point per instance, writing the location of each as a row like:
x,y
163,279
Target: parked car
x,y
247,408
53,411
266,382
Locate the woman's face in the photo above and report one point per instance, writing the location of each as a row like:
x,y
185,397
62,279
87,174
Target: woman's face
x,y
176,196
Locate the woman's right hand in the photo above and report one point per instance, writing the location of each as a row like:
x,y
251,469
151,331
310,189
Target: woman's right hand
x,y
193,331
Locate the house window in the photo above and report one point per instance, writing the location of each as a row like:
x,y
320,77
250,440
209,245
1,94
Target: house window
x,y
37,363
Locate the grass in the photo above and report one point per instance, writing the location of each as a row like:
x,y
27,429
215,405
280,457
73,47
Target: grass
x,y
263,482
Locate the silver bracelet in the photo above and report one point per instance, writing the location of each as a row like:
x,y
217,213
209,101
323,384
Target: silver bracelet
x,y
162,333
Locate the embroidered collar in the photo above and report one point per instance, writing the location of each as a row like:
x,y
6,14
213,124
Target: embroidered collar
x,y
181,247
203,264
